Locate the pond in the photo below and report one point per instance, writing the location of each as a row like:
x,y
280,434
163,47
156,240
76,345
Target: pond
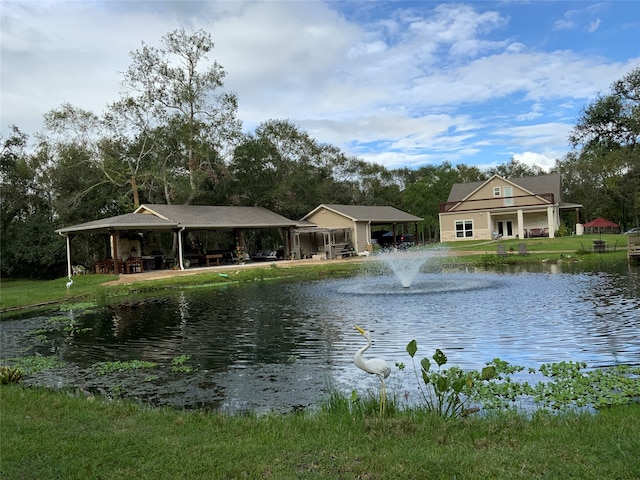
x,y
284,346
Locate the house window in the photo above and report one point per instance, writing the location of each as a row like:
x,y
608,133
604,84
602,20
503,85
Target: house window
x,y
496,191
464,229
508,196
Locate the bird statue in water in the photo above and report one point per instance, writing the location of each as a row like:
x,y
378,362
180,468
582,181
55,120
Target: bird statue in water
x,y
374,366
69,283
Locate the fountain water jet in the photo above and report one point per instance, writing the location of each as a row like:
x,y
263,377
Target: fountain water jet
x,y
406,264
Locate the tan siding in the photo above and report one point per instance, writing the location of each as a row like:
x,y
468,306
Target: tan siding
x,y
483,198
326,219
361,238
481,230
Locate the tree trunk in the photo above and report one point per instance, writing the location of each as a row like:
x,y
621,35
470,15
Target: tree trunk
x,y
134,189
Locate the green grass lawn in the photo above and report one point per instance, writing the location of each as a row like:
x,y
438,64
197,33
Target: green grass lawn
x,y
558,244
92,289
16,293
60,435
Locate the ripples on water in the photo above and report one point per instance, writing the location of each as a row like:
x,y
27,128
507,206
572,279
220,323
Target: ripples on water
x,y
273,346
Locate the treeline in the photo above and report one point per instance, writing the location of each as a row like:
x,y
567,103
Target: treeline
x,y
174,137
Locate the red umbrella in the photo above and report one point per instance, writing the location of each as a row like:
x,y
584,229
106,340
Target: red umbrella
x,y
600,223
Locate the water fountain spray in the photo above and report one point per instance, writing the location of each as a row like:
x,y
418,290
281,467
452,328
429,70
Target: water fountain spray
x,y
406,264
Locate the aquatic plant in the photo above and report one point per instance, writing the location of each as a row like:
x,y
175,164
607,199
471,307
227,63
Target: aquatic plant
x,y
567,386
35,364
573,386
105,368
9,375
178,364
446,391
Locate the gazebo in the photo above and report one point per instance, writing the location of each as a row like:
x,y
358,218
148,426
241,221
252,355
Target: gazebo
x,y
177,219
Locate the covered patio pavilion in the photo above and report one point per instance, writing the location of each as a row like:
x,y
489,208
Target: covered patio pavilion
x,y
177,219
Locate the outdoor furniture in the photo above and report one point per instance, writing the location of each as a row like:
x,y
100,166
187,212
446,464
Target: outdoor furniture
x,y
169,262
265,255
105,266
151,262
538,232
599,246
633,248
501,250
522,249
134,265
213,256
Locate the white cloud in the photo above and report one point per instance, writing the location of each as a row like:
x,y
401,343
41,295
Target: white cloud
x,y
545,161
427,83
563,24
577,18
593,26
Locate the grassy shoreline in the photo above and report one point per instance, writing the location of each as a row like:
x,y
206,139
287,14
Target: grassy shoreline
x,y
64,435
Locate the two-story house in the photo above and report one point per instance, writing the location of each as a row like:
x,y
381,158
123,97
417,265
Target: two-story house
x,y
504,208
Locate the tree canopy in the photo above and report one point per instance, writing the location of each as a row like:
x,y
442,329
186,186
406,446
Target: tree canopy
x,y
173,137
603,170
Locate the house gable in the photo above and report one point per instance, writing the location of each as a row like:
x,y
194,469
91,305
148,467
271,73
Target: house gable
x,y
325,217
499,193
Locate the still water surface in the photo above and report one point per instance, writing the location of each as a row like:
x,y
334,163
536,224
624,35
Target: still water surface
x,y
283,346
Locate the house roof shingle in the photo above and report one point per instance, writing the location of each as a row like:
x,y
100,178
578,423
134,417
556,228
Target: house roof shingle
x,y
373,214
539,184
164,217
121,222
205,216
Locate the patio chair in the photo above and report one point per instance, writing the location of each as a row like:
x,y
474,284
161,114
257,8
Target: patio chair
x,y
168,262
502,252
522,249
106,266
134,265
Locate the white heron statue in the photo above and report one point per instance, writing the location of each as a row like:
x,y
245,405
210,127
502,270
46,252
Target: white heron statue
x,y
69,283
374,366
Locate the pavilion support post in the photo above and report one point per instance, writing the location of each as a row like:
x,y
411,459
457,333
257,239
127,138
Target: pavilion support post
x,y
115,237
68,242
395,234
180,253
288,244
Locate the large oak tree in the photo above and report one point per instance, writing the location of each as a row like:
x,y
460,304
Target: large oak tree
x,y
603,170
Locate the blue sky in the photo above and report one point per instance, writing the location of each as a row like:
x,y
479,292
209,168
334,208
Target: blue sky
x,y
396,83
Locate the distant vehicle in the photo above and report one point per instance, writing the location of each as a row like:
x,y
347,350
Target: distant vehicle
x,y
633,230
404,240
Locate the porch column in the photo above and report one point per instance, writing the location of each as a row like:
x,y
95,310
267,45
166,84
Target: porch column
x,y
520,224
551,222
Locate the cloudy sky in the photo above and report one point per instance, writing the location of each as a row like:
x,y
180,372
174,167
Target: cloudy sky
x,y
393,82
